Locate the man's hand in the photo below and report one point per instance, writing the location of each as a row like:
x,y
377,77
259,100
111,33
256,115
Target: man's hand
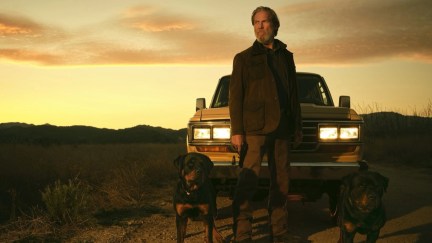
x,y
237,142
298,137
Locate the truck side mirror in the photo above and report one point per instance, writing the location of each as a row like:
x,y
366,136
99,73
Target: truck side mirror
x,y
200,104
344,101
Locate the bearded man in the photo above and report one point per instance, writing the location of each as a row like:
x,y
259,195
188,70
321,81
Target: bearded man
x,y
265,119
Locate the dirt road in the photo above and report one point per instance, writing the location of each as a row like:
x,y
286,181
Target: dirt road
x,y
408,202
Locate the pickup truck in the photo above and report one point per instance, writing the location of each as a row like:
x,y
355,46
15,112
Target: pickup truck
x,y
332,144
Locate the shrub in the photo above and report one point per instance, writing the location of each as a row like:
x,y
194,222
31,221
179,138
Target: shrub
x,y
126,185
68,203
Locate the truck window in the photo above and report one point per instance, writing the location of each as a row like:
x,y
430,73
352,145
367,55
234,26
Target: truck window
x,y
311,90
220,98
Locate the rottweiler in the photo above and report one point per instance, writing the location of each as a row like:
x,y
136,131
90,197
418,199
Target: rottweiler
x,y
360,207
195,196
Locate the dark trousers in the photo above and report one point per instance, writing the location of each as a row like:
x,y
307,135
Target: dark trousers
x,y
277,148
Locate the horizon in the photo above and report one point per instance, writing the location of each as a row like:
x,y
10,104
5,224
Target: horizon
x,y
426,114
135,61
78,125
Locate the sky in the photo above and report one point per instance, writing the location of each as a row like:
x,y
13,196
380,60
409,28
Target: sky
x,y
118,64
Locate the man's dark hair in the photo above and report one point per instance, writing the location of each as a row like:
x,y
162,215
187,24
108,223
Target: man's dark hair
x,y
272,16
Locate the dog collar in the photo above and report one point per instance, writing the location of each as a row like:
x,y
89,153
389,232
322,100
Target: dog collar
x,y
186,190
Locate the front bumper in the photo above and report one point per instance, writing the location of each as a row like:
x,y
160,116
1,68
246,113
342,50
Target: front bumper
x,y
299,170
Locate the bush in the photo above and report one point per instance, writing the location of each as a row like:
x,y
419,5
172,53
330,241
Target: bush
x,y
126,186
412,150
68,203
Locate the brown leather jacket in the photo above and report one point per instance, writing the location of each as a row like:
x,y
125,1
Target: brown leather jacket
x,y
253,103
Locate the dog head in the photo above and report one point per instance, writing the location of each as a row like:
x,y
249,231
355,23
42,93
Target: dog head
x,y
193,169
364,190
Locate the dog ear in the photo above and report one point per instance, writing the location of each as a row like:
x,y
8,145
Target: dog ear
x,y
208,164
179,162
346,181
384,181
380,180
345,186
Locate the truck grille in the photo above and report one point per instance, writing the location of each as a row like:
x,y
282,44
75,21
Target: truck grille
x,y
310,137
311,143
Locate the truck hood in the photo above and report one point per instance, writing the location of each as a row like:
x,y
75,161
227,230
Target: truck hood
x,y
309,111
211,114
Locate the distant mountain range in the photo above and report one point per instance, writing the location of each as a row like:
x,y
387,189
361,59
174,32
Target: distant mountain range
x,y
47,134
392,123
376,124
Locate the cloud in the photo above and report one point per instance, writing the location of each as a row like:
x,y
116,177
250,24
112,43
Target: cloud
x,y
184,37
190,47
149,19
25,40
140,35
30,56
341,31
15,26
319,32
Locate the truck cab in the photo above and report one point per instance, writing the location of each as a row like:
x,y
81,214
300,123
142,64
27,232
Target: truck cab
x,y
332,145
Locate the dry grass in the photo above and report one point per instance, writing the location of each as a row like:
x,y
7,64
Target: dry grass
x,y
398,139
28,227
120,175
411,150
425,111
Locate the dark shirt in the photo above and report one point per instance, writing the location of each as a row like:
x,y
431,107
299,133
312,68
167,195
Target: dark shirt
x,y
273,57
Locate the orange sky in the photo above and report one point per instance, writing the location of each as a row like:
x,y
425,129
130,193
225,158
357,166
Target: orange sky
x,y
118,64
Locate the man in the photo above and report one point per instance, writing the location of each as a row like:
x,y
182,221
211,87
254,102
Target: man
x,y
265,116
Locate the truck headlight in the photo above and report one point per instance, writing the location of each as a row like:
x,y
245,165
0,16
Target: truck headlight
x,y
221,133
201,133
349,133
328,133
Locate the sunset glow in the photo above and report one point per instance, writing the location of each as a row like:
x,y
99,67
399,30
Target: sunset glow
x,y
119,64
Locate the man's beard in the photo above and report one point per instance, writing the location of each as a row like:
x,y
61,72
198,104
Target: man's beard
x,y
265,39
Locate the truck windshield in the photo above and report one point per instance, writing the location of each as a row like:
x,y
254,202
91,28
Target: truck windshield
x,y
220,98
312,89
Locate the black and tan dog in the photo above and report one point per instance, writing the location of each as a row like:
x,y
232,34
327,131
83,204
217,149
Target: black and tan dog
x,y
360,208
194,195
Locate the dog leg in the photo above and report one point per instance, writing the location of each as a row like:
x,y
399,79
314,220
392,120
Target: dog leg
x,y
208,226
181,224
372,236
346,237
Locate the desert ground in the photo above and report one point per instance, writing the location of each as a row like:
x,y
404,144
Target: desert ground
x,y
408,203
